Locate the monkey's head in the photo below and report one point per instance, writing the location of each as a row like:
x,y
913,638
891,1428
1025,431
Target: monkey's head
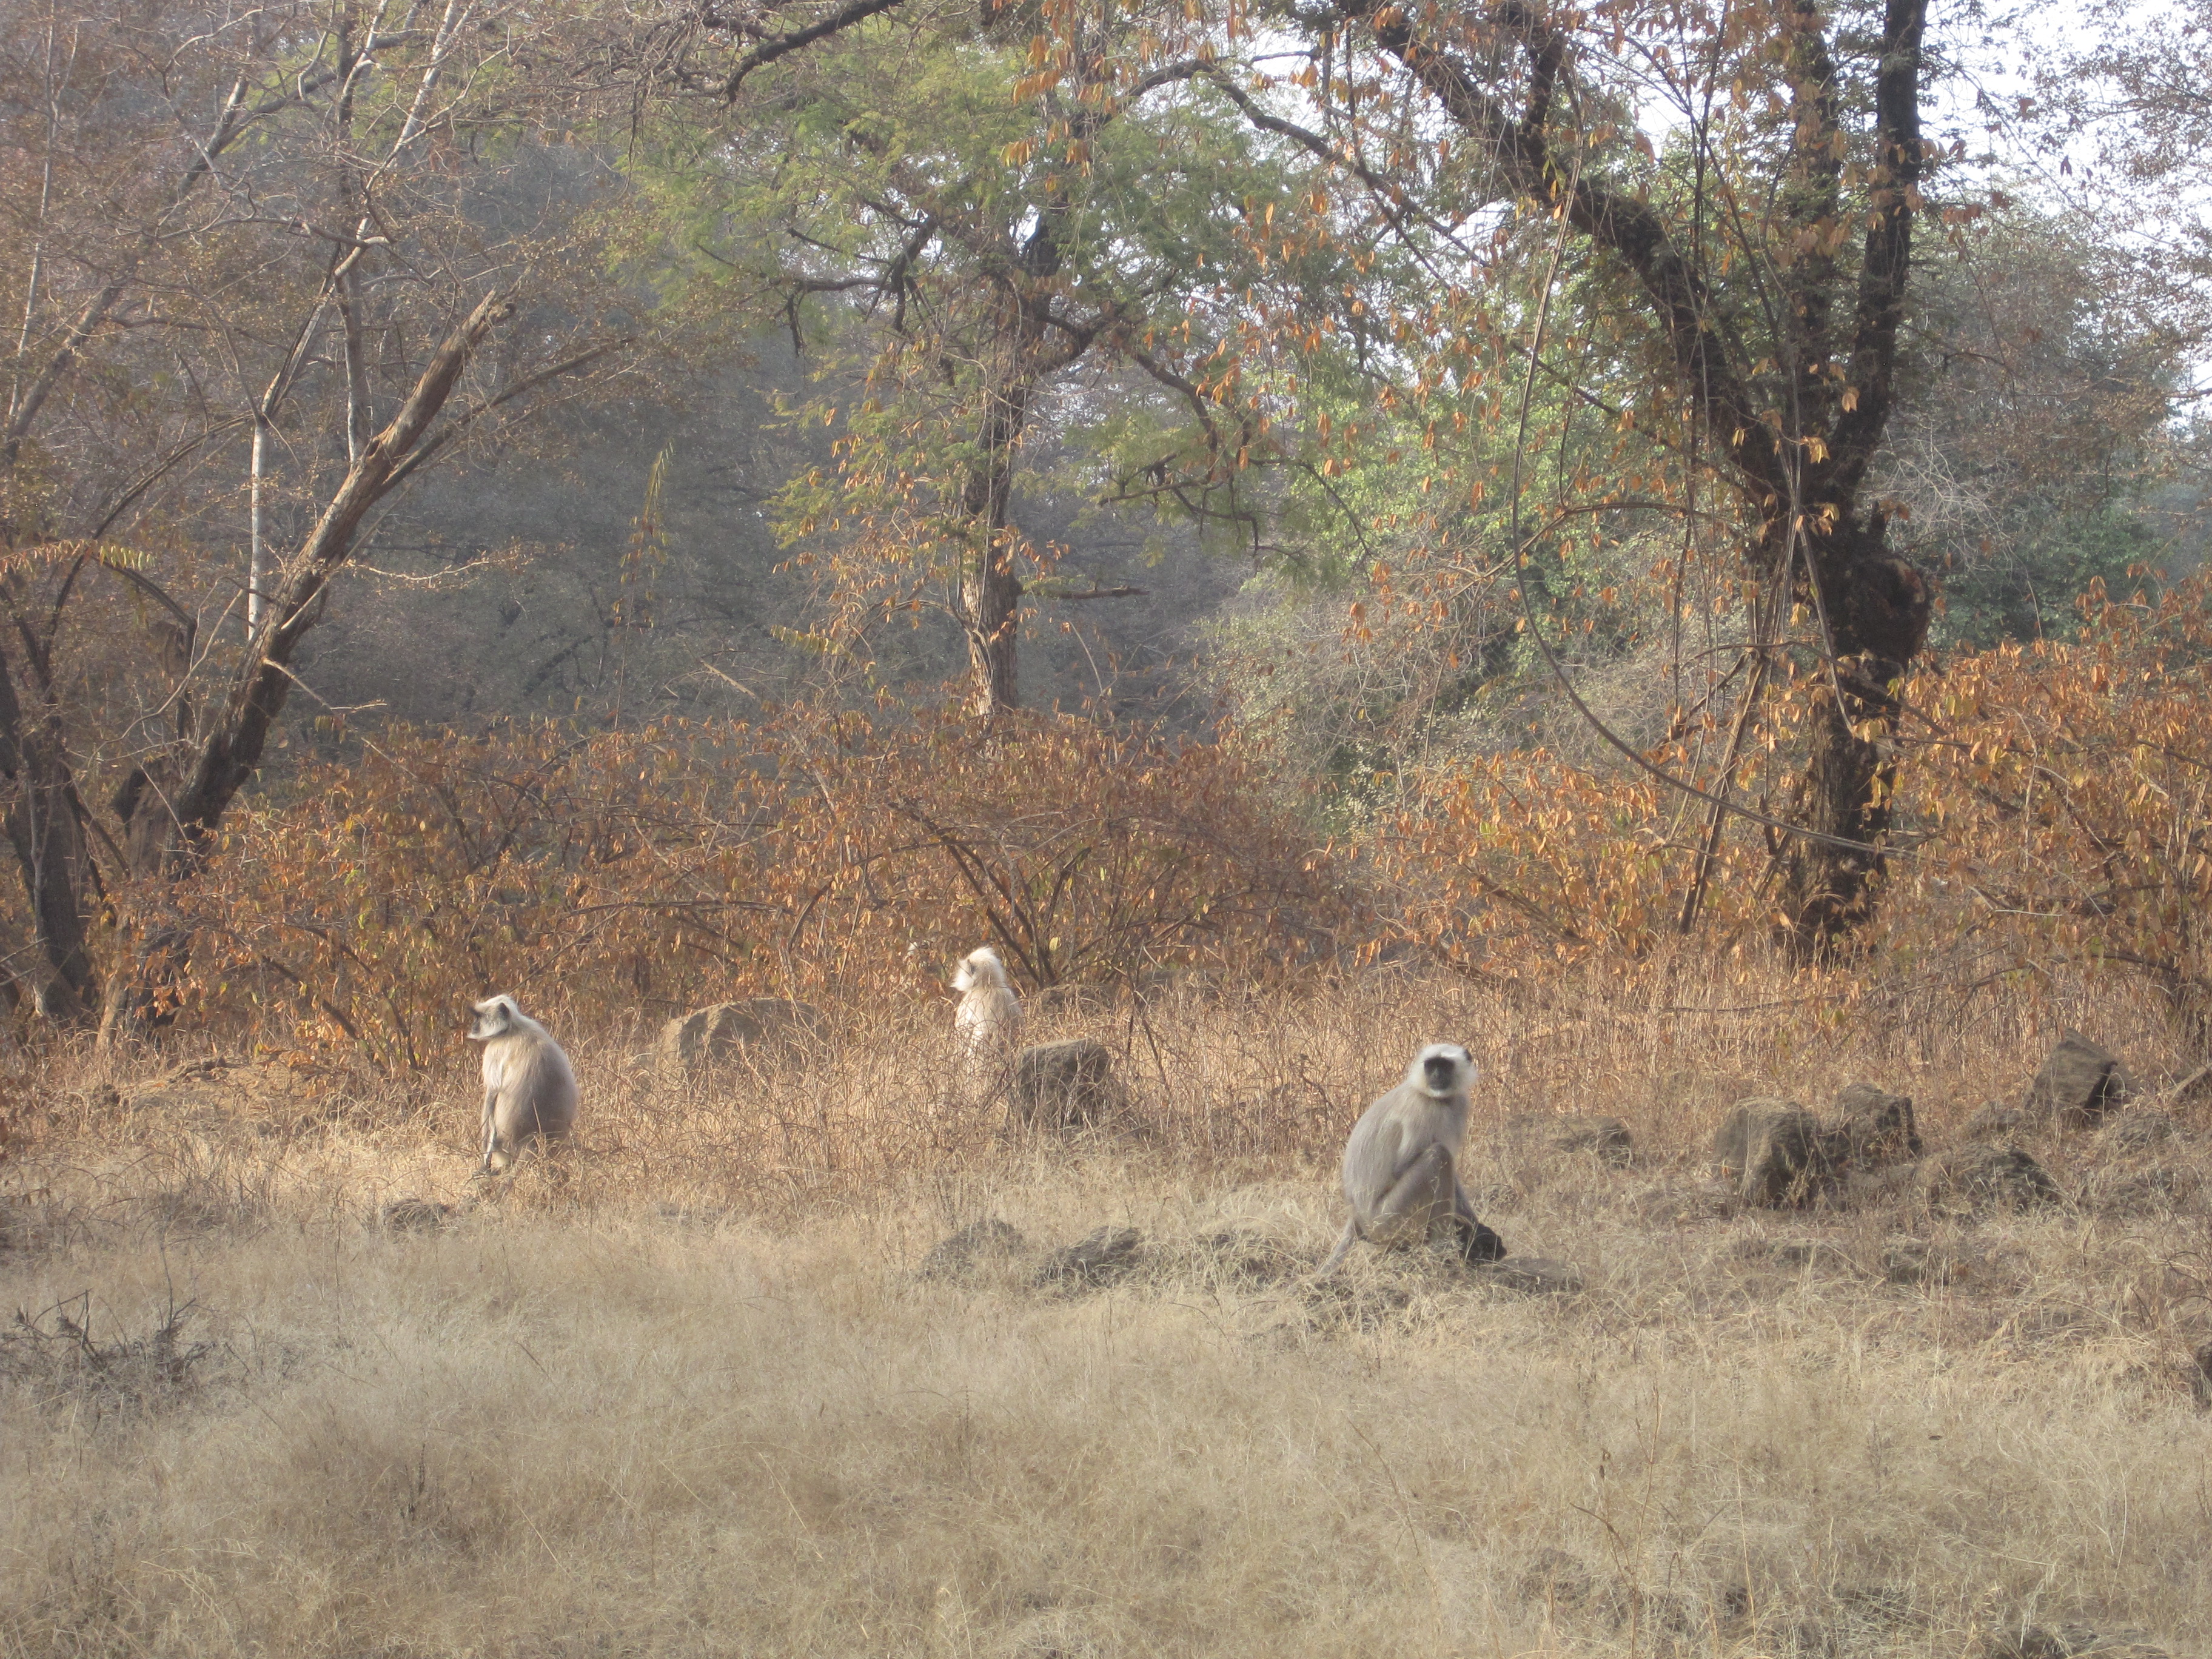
x,y
981,967
1441,1069
495,1017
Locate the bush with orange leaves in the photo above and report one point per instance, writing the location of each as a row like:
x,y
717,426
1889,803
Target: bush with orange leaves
x,y
823,856
2053,812
2065,794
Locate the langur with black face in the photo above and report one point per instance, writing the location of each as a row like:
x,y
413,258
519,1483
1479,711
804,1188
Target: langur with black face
x,y
1400,1166
529,1088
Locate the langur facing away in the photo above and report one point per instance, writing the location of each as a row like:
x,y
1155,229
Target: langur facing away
x,y
988,1021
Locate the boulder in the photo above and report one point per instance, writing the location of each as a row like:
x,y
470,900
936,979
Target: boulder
x,y
1605,1139
954,1256
709,1036
1871,1129
2078,1085
1980,1176
1059,1085
1103,1255
1773,1151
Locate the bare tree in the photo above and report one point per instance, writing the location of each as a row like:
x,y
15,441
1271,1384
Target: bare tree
x,y
298,275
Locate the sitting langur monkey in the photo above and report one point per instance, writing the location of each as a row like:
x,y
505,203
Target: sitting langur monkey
x,y
988,1021
529,1089
1400,1166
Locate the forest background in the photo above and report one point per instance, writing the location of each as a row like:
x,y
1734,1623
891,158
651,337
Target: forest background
x,y
637,505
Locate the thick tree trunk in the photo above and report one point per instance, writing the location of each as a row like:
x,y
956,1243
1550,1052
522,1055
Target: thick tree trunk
x,y
990,591
48,839
1878,610
44,826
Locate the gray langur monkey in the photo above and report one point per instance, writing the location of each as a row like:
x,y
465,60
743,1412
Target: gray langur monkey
x,y
529,1088
1400,1170
988,1021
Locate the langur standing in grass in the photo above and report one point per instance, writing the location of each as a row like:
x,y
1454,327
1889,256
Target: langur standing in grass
x,y
1400,1166
529,1088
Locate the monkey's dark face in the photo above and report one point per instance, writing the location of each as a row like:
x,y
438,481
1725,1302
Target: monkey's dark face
x,y
1446,1068
494,1018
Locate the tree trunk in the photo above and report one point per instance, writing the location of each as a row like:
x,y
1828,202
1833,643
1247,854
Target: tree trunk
x,y
990,591
1878,610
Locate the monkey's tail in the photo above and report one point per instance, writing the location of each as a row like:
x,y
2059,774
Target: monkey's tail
x,y
1343,1247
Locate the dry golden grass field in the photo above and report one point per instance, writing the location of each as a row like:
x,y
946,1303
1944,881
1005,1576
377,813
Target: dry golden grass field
x,y
684,1390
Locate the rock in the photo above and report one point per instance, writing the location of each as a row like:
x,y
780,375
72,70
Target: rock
x,y
1059,1085
2124,1133
1774,1151
413,1215
954,1256
708,1036
1995,1120
1981,1176
1872,1127
1606,1139
2200,1374
1104,1254
2022,1640
1532,1275
2078,1085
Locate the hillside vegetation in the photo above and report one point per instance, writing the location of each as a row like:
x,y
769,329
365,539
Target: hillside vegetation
x,y
1664,544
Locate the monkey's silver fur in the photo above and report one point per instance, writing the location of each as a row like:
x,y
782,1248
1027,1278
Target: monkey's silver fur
x,y
529,1088
988,1021
1400,1164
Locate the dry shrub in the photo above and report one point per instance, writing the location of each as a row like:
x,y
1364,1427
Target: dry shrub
x,y
841,856
2051,819
2067,793
2053,809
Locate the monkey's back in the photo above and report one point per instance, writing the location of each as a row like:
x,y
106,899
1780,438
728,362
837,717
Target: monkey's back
x,y
987,1013
534,1086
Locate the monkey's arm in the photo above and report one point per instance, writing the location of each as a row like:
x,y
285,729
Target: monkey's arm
x,y
491,1132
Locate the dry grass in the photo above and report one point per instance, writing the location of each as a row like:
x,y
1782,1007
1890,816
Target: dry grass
x,y
681,1390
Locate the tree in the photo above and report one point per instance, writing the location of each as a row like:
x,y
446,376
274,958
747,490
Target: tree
x,y
989,259
293,274
1737,292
